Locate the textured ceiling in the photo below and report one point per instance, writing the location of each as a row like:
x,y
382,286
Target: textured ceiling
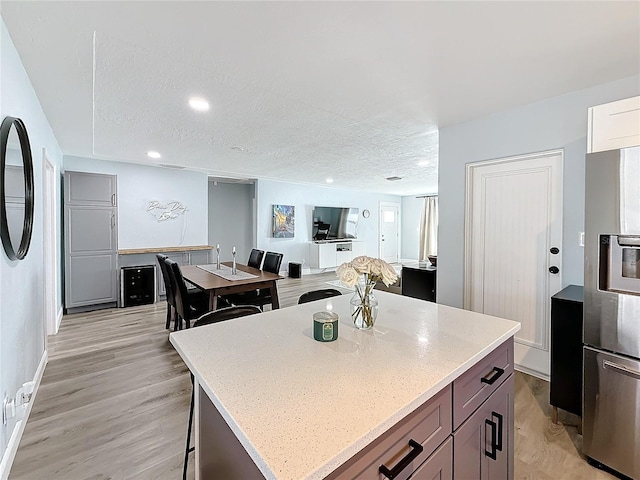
x,y
302,91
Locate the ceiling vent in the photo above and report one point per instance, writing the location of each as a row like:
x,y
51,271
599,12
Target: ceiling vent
x,y
168,165
394,179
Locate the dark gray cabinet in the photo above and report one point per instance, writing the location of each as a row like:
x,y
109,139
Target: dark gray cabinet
x,y
90,229
419,282
566,351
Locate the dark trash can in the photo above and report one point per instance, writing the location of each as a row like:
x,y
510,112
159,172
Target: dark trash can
x,y
295,270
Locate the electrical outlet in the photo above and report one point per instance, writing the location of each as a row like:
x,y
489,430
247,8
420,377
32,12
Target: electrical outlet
x,y
581,239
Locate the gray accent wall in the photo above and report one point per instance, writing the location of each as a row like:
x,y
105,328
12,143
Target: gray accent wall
x,y
558,122
231,207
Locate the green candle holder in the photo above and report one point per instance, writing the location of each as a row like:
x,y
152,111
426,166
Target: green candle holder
x,y
325,326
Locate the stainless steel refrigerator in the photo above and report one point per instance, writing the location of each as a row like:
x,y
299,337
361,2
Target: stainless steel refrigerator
x,y
611,389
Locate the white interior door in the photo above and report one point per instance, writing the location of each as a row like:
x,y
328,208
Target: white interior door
x,y
389,232
513,220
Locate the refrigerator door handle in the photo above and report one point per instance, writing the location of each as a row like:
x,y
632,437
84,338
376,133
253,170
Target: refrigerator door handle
x,y
629,240
606,364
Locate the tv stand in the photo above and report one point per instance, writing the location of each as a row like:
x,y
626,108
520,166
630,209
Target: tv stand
x,y
332,253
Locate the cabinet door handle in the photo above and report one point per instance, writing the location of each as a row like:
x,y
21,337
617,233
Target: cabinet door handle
x,y
113,199
416,449
492,376
113,221
499,437
492,454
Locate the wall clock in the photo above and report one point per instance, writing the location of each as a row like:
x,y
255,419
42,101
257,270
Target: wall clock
x,y
366,213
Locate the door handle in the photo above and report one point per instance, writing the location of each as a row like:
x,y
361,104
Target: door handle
x,y
492,376
113,221
499,439
606,364
553,269
113,199
416,449
492,454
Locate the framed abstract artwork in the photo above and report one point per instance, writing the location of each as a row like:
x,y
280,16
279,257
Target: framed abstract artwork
x,y
284,221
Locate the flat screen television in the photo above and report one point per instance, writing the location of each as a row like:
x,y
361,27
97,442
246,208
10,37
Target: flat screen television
x,y
335,223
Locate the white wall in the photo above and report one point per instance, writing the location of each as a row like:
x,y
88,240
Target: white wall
x,y
304,198
559,122
140,184
231,219
22,325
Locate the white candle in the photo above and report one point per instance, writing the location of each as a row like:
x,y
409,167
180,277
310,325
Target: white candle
x,y
217,246
233,250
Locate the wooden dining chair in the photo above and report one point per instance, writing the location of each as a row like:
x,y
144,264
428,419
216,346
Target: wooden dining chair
x,y
255,258
188,306
318,295
216,316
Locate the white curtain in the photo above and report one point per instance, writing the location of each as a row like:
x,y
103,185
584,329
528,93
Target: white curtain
x,y
429,228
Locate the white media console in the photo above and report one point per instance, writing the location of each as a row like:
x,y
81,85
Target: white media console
x,y
330,254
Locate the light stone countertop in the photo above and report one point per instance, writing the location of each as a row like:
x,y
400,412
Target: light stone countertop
x,y
302,408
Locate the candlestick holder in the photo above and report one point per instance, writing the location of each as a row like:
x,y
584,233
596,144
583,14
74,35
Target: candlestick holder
x,y
218,257
233,267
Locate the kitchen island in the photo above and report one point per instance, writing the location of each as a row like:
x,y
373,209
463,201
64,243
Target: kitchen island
x,y
272,402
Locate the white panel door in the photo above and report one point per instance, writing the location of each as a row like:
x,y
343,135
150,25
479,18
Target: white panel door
x,y
514,226
390,232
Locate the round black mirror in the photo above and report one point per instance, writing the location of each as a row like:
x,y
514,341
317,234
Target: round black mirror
x,y
16,188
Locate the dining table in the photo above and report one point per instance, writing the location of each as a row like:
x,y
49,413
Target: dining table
x,y
247,279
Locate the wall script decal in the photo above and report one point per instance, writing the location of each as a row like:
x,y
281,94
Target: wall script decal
x,y
166,211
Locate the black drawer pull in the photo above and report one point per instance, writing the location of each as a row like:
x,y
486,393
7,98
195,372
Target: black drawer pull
x,y
416,449
492,376
499,439
492,454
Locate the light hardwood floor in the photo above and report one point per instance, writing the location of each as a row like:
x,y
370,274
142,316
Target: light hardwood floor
x,y
114,403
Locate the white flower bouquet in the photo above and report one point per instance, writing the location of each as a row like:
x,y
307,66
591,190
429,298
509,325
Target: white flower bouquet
x,y
362,273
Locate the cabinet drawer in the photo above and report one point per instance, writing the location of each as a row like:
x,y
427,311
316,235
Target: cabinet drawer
x,y
428,426
478,383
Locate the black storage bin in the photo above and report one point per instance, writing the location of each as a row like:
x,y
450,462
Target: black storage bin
x,y
295,270
137,285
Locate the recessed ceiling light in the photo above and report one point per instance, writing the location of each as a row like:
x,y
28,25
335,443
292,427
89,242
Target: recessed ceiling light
x,y
199,104
329,180
423,163
153,154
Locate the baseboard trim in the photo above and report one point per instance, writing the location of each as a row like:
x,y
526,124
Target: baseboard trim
x,y
531,372
16,435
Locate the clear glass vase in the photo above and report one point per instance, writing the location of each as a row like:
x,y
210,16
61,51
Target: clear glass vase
x,y
364,307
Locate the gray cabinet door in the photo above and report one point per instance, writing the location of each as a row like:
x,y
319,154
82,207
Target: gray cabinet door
x,y
488,433
89,189
438,466
90,240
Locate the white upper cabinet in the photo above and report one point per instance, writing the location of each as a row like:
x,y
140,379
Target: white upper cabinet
x,y
614,125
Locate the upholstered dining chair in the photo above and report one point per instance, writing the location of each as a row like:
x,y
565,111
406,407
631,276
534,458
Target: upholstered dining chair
x,y
318,295
188,306
255,258
262,296
216,316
